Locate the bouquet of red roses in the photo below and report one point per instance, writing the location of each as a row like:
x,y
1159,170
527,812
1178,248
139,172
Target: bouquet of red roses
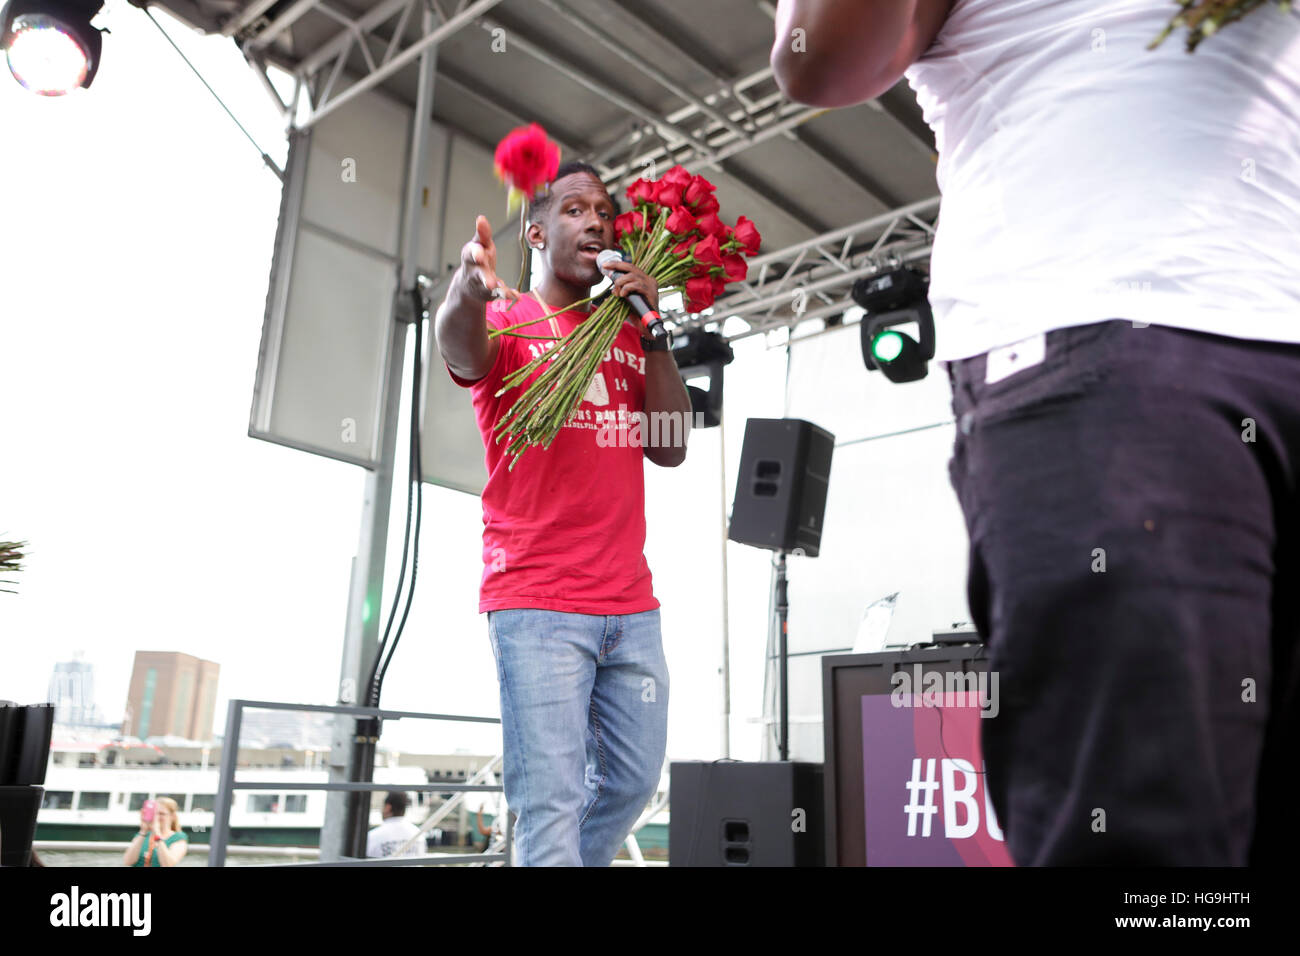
x,y
674,234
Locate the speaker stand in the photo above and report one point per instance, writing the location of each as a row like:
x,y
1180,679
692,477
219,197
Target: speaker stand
x,y
783,653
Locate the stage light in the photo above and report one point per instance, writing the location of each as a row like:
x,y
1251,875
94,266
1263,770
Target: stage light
x,y
887,346
699,353
891,299
50,46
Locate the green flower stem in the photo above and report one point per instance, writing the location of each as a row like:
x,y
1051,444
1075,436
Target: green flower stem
x,y
538,392
509,329
565,344
1203,18
547,404
559,401
540,420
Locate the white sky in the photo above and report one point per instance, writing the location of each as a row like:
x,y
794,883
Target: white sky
x,y
136,245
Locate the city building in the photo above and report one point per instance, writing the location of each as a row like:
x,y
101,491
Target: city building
x,y
171,694
72,692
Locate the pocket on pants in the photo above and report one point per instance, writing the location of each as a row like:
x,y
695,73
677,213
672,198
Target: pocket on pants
x,y
1075,361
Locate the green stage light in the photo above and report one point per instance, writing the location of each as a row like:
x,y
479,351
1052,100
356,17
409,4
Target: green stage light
x,y
887,346
891,299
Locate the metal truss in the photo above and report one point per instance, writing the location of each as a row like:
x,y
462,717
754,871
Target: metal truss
x,y
706,131
256,37
805,281
812,279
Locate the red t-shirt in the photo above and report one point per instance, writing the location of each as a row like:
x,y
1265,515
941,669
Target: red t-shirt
x,y
565,530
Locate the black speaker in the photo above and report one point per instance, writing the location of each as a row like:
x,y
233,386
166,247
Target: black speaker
x,y
785,467
25,734
731,813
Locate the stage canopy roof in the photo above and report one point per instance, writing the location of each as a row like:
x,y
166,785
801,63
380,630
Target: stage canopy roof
x,y
837,193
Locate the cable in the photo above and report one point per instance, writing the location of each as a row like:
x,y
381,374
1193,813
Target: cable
x,y
415,490
265,157
416,475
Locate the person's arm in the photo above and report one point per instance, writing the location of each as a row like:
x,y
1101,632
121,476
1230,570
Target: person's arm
x,y
171,855
133,851
664,389
841,52
666,392
460,325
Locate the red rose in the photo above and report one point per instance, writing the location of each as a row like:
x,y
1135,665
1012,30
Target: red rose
x,y
677,176
668,194
698,190
683,248
747,235
681,222
734,268
708,203
526,159
699,294
711,225
641,191
718,285
628,222
707,255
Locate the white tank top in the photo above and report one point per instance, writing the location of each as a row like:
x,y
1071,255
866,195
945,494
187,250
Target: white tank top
x,y
1085,178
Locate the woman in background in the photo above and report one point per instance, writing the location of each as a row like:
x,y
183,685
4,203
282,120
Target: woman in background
x,y
160,842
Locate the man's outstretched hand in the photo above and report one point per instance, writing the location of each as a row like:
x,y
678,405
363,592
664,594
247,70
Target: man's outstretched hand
x,y
478,266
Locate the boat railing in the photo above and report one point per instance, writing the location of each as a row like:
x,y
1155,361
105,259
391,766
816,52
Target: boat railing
x,y
227,785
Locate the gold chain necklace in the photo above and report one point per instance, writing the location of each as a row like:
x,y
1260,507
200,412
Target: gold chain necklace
x,y
549,308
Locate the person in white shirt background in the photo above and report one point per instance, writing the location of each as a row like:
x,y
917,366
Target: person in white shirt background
x,y
1115,281
387,838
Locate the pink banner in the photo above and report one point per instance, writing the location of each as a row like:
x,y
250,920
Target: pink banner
x,y
923,776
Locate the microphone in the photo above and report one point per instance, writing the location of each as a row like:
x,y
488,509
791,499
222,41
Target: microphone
x,y
649,317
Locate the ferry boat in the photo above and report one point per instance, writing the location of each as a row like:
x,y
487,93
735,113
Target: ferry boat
x,y
88,800
94,791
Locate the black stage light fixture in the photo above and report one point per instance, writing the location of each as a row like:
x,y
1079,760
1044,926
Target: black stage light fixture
x,y
50,45
891,299
698,353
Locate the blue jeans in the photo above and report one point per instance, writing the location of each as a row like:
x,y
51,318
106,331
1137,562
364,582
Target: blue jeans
x,y
584,722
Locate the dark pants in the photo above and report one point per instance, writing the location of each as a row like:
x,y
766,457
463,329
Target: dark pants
x,y
1135,573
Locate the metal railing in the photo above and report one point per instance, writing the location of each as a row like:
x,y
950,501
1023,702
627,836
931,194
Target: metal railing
x,y
227,785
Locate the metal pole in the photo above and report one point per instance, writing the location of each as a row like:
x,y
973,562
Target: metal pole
x,y
360,646
225,794
726,636
783,651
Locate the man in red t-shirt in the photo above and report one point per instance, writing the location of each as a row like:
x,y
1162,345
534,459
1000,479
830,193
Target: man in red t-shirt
x,y
572,618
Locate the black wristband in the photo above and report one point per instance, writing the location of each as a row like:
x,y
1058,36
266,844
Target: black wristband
x,y
655,345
